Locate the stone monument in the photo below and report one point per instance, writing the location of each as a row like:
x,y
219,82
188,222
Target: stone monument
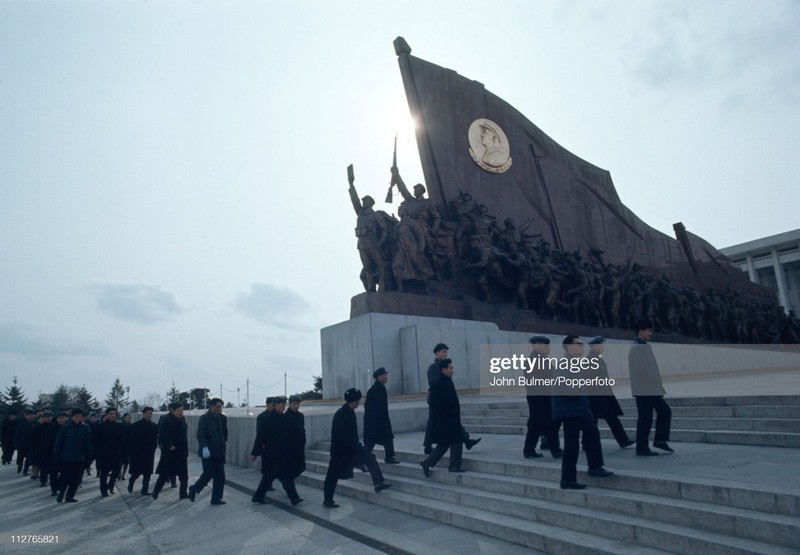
x,y
512,234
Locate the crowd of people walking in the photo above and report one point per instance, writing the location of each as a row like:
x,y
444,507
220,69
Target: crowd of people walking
x,y
59,449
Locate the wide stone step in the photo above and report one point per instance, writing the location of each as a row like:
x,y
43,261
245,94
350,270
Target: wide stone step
x,y
738,401
467,490
754,411
781,425
542,537
761,439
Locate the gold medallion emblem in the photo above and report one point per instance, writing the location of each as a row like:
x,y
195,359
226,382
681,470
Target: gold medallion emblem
x,y
488,146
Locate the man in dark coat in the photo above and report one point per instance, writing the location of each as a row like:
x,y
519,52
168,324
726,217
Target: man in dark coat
x,y
72,449
53,469
439,354
648,391
92,422
540,423
272,445
212,438
108,451
174,450
23,441
347,452
295,438
377,426
142,439
606,406
572,408
7,432
41,420
445,421
44,440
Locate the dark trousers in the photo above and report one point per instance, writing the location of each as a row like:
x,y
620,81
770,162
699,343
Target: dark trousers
x,y
645,405
54,473
573,427
8,453
427,443
213,469
540,424
266,481
108,477
23,460
182,470
388,448
456,450
362,458
617,429
71,477
45,468
145,481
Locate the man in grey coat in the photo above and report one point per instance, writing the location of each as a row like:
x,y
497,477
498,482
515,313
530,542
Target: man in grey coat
x,y
646,387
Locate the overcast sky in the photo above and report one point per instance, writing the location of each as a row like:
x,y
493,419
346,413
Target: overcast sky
x,y
173,193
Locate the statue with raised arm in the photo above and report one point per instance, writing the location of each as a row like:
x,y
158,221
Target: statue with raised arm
x,y
372,231
424,212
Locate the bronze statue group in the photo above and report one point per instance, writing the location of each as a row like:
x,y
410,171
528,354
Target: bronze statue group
x,y
468,252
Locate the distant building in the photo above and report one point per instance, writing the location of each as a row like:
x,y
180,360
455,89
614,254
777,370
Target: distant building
x,y
773,262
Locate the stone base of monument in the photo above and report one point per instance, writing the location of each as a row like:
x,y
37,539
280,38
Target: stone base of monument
x,y
380,334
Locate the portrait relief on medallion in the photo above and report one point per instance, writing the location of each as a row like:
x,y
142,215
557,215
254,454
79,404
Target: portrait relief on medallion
x,y
488,146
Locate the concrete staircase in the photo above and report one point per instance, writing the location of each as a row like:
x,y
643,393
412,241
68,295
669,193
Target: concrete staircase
x,y
632,512
681,504
758,420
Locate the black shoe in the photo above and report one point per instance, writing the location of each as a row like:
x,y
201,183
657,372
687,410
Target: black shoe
x,y
60,497
192,493
173,485
599,472
362,468
130,487
155,494
104,494
183,496
428,450
392,461
73,500
457,469
330,504
382,486
260,501
218,502
426,469
270,488
647,453
557,454
533,455
470,443
53,493
112,491
627,443
145,492
663,446
297,501
42,484
572,485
